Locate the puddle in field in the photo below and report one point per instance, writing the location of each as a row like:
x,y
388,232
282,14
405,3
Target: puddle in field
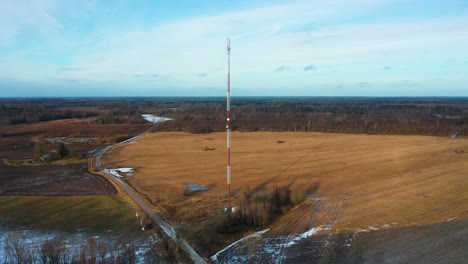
x,y
196,188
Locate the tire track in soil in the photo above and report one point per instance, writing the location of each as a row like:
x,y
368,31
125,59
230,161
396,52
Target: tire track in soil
x,y
107,187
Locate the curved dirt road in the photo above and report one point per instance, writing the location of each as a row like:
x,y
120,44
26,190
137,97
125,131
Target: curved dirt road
x,y
168,229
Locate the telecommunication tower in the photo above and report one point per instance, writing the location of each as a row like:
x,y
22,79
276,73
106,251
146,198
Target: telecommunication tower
x,y
228,125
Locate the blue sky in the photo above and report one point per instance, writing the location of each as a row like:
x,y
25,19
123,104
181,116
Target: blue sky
x,y
279,48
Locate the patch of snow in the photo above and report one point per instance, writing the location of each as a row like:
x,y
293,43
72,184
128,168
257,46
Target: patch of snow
x,y
71,140
2,252
275,250
361,231
297,238
155,119
57,140
125,141
125,170
271,245
116,172
309,233
74,242
259,233
113,172
373,228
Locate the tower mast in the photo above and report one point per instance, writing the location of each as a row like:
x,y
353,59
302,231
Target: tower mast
x,y
228,125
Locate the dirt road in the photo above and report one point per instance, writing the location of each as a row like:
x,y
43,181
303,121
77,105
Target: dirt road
x,y
168,229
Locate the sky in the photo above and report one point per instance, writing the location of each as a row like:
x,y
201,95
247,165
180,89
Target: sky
x,y
55,48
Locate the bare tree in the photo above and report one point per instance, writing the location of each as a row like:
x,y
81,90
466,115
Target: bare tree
x,y
54,251
16,249
152,255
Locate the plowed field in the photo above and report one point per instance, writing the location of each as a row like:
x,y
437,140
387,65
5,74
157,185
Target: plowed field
x,y
52,180
369,183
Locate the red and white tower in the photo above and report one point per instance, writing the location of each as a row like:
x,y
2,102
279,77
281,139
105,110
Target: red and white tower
x,y
228,125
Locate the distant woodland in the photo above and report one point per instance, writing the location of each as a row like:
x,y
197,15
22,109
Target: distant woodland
x,y
438,116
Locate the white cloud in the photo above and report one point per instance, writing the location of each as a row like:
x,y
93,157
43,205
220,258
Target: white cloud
x,y
181,47
27,17
263,38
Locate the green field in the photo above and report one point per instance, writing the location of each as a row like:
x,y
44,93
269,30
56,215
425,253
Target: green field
x,y
88,214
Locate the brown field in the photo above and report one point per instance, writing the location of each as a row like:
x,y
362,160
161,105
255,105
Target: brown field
x,y
364,182
52,180
82,126
17,141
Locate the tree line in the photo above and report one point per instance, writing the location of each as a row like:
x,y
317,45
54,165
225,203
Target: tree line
x,y
418,116
19,248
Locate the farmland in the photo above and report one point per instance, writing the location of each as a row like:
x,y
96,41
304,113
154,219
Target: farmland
x,y
387,176
52,180
46,195
365,183
88,214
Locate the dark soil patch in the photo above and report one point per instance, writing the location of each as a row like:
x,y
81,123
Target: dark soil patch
x,y
16,148
52,180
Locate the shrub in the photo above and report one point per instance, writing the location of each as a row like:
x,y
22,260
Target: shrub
x,y
62,150
297,195
260,209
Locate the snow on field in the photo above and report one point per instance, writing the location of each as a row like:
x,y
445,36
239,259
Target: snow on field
x,y
2,242
117,172
270,248
30,239
155,119
70,140
125,170
293,240
371,228
75,242
288,248
259,233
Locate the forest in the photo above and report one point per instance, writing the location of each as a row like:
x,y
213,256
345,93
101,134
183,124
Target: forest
x,y
436,116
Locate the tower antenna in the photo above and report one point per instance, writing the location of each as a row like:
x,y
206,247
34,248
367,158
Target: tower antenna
x,y
228,125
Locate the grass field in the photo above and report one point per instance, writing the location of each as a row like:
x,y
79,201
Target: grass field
x,y
366,182
86,214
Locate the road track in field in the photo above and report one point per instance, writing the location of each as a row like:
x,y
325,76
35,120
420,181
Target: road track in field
x,y
165,226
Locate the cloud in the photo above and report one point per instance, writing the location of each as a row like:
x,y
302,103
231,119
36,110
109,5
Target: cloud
x,y
310,68
282,68
408,83
140,75
289,35
27,17
70,69
362,84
